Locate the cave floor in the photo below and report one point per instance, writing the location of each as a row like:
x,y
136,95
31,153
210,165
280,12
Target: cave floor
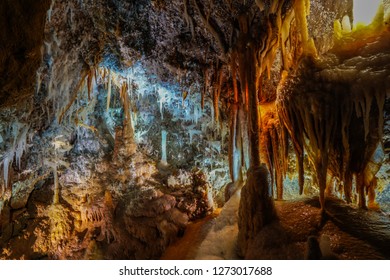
x,y
186,247
353,233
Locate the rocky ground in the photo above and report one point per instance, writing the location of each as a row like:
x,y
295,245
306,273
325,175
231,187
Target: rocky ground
x,y
347,233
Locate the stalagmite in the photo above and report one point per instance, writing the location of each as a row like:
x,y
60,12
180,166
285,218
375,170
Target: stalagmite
x,y
50,11
164,147
161,101
346,24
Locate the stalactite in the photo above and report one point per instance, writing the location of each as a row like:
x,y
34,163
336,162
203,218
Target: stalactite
x,y
274,142
332,132
285,146
301,176
348,186
380,98
269,158
56,196
360,187
236,155
217,93
7,161
233,146
244,138
371,194
233,69
205,87
109,90
293,124
345,173
287,57
161,101
50,11
90,76
39,82
188,19
277,162
125,101
73,97
302,10
212,26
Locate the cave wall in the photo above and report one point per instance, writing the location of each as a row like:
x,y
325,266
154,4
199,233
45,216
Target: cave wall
x,y
21,40
69,184
323,14
61,59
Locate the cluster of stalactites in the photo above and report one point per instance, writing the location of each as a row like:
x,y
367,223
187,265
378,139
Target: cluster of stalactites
x,y
76,112
19,135
286,33
214,79
294,42
110,79
336,115
124,86
275,148
325,125
340,135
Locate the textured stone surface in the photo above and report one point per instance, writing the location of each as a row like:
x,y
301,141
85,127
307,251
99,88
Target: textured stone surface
x,y
256,208
59,60
20,193
22,23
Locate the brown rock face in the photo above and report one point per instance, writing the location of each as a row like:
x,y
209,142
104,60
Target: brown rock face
x,y
21,39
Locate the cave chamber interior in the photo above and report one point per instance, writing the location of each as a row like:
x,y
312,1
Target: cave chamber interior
x,y
194,129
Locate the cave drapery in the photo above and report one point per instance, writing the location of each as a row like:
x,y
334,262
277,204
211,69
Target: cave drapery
x,y
266,75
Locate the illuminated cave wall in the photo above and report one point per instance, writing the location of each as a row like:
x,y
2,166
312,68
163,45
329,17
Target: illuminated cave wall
x,y
70,158
194,139
383,195
82,130
328,23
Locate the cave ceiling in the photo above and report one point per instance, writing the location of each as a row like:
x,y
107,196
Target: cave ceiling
x,y
174,38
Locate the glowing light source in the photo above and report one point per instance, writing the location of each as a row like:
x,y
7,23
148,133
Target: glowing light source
x,y
364,11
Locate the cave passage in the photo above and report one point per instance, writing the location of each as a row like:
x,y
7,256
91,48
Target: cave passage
x,y
194,129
